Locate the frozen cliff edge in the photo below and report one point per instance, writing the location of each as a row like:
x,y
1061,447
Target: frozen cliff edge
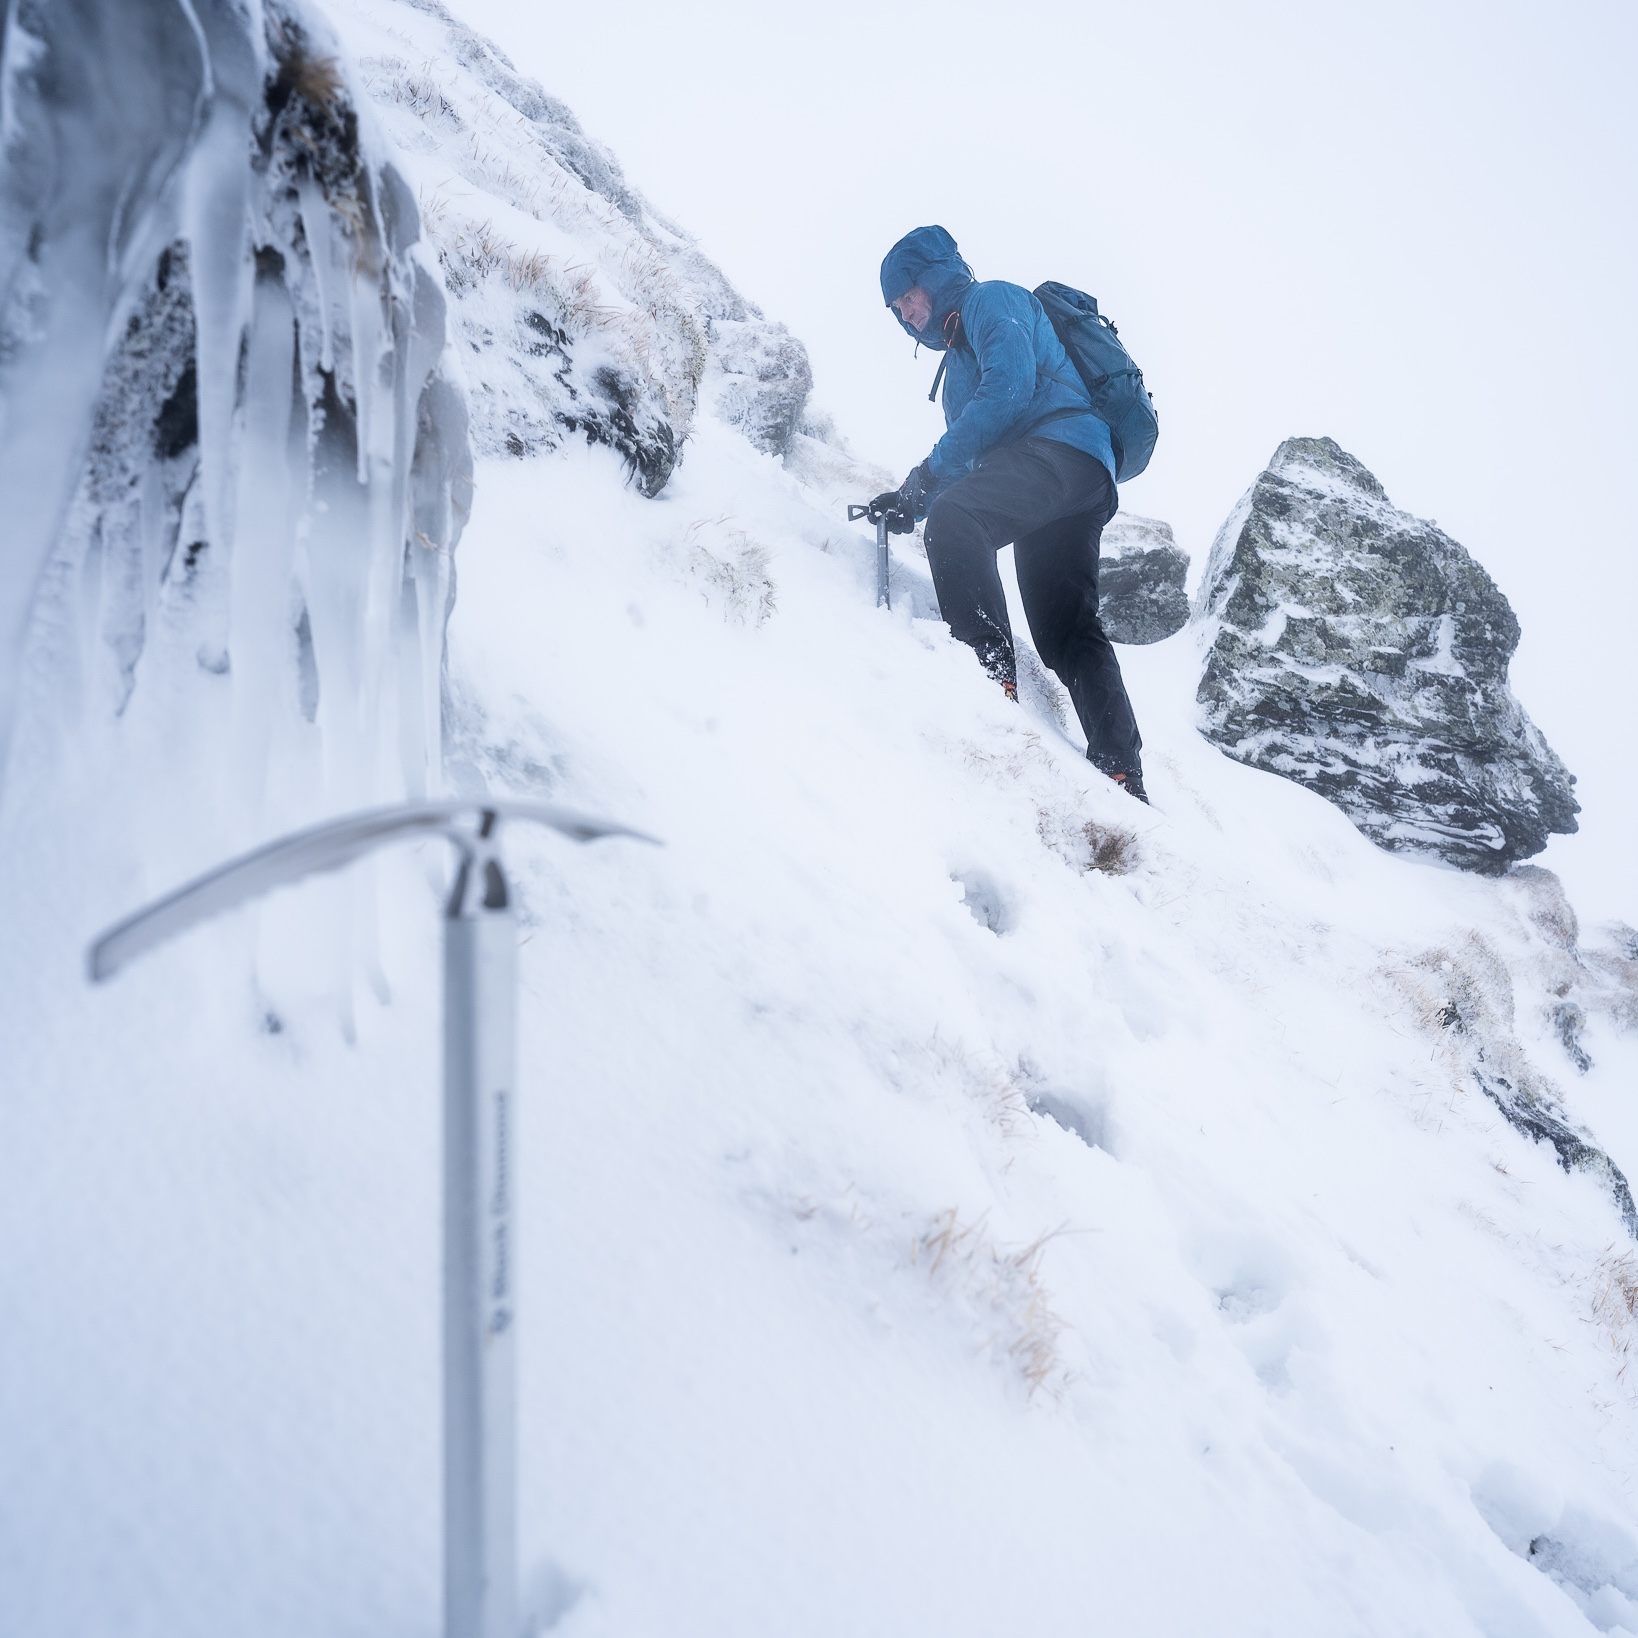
x,y
1363,653
230,414
265,289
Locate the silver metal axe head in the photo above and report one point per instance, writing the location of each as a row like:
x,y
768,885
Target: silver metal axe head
x,y
323,848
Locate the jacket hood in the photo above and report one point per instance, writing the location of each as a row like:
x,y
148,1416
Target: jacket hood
x,y
927,256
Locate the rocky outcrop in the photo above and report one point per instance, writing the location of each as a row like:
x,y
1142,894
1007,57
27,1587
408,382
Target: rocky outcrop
x,y
606,344
1140,581
1466,996
580,309
764,382
1363,653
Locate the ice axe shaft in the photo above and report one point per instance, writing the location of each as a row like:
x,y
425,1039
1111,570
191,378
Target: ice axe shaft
x,y
854,513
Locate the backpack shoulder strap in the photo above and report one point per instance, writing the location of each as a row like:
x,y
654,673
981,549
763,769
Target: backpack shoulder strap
x,y
954,335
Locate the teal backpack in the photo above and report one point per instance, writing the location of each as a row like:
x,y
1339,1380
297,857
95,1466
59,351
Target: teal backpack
x,y
1116,384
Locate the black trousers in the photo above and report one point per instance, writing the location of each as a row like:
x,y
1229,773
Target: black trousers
x,y
1051,502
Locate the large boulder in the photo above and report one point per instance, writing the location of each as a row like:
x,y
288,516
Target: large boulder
x,y
1363,653
1140,581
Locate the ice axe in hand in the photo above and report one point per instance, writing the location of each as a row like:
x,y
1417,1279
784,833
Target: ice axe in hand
x,y
854,514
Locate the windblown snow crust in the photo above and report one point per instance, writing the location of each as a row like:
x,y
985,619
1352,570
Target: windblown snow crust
x,y
953,1198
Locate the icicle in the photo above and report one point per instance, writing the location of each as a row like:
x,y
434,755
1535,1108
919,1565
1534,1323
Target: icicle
x,y
318,225
405,392
88,625
157,540
217,230
259,591
385,544
388,563
432,608
385,552
367,347
411,729
335,607
125,615
334,590
420,656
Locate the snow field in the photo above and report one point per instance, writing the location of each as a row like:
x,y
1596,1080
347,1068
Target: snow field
x,y
1279,1263
824,1329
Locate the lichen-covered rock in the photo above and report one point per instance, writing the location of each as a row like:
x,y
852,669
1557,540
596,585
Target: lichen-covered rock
x,y
1363,653
1140,581
764,380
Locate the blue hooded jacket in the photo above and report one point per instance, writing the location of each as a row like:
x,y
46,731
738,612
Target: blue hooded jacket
x,y
1006,372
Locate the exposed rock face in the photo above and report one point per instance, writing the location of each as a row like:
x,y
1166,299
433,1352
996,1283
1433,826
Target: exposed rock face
x,y
1364,654
1140,581
1466,995
580,309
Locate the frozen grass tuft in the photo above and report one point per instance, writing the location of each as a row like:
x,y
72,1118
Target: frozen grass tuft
x,y
1003,1286
1615,1303
998,1088
416,90
1109,849
315,79
1089,845
730,569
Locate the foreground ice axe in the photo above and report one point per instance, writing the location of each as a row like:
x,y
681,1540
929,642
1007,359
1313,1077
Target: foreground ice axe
x,y
854,513
480,1200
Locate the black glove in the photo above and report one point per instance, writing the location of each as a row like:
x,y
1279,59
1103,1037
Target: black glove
x,y
916,488
890,504
902,506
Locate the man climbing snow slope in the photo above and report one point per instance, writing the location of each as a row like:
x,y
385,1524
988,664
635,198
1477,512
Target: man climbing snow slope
x,y
1024,458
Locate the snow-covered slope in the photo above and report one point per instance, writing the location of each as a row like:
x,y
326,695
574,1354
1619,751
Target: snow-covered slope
x,y
955,1199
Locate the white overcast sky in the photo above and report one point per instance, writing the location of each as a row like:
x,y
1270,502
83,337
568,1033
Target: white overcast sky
x,y
1409,226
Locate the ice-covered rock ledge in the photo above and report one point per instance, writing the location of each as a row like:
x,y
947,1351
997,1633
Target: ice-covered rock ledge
x,y
1363,653
227,410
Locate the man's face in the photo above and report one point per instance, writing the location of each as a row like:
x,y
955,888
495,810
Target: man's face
x,y
915,307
